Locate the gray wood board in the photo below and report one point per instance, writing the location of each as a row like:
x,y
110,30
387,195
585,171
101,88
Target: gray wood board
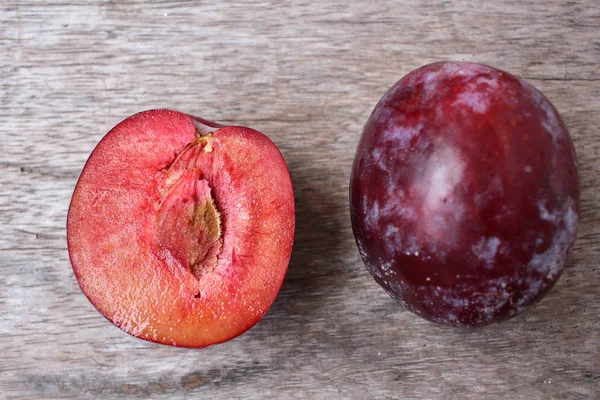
x,y
307,74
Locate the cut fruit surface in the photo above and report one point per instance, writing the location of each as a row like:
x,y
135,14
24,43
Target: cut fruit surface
x,y
180,230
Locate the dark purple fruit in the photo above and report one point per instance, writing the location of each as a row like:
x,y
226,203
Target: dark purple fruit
x,y
464,194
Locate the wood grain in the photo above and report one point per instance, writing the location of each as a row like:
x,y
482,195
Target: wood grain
x,y
307,74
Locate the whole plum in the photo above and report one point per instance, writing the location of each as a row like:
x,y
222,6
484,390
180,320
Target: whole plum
x,y
464,194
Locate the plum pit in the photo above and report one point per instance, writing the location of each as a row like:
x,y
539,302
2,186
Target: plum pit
x,y
188,224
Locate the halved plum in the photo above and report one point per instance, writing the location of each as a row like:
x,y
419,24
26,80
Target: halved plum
x,y
180,230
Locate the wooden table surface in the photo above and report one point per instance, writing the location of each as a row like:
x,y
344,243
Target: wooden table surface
x,y
307,74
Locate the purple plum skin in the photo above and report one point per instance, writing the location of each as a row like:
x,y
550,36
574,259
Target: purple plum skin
x,y
464,194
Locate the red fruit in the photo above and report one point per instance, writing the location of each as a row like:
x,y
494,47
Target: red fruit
x,y
180,230
464,194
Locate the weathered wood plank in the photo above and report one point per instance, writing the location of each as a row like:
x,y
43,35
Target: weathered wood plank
x,y
306,74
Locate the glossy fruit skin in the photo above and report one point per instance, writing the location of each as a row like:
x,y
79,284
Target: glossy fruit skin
x,y
144,175
464,194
